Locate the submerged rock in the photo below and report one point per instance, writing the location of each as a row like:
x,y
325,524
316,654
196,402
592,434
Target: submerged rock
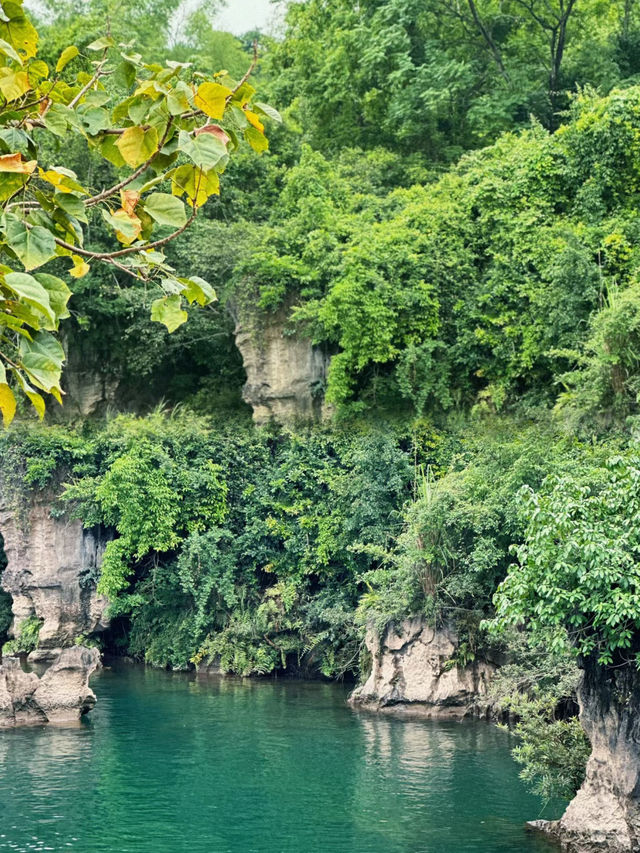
x,y
413,671
605,813
61,695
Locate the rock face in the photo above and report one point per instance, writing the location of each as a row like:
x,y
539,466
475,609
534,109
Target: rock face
x,y
61,695
88,390
605,813
412,672
286,374
50,563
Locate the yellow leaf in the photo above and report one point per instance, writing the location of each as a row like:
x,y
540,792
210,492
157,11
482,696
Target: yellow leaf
x,y
127,227
137,145
66,56
195,183
37,402
129,199
211,98
57,394
7,403
13,84
63,183
18,30
80,267
253,119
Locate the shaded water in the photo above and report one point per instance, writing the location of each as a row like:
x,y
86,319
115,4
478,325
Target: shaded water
x,y
167,763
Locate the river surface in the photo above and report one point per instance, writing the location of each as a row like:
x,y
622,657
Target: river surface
x,y
167,763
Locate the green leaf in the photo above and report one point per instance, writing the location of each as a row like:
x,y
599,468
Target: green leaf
x,y
16,140
267,110
205,150
198,290
41,370
94,120
110,151
168,311
72,205
10,51
31,291
57,291
101,43
58,118
44,344
178,98
66,56
258,141
166,209
33,246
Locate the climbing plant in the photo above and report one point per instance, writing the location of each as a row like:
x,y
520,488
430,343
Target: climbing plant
x,y
167,132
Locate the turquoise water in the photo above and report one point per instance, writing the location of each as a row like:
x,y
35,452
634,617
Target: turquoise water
x,y
167,763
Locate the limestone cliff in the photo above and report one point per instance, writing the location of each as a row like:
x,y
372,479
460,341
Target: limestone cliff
x,y
605,813
89,389
286,374
50,572
61,695
413,672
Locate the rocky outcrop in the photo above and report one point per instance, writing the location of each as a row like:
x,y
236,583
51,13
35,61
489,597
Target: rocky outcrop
x,y
89,390
286,374
605,813
413,671
50,572
61,695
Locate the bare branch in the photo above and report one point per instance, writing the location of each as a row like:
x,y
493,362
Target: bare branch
x,y
97,75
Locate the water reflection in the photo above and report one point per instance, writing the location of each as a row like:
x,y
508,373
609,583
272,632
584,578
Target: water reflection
x,y
170,763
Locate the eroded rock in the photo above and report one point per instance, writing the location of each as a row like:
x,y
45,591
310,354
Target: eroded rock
x,y
286,374
50,565
413,671
61,695
605,813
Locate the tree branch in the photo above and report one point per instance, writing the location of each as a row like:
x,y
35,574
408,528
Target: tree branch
x,y
96,199
98,74
129,250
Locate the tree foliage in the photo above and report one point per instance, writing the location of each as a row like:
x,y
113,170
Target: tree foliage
x,y
168,132
577,573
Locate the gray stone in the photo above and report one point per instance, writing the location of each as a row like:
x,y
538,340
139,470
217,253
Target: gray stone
x,y
61,695
605,813
286,374
17,704
47,562
89,390
413,672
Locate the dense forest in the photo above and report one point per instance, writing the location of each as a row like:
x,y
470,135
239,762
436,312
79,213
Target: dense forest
x,y
448,211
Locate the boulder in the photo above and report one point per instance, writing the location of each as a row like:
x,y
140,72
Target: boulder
x,y
17,688
61,695
413,671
